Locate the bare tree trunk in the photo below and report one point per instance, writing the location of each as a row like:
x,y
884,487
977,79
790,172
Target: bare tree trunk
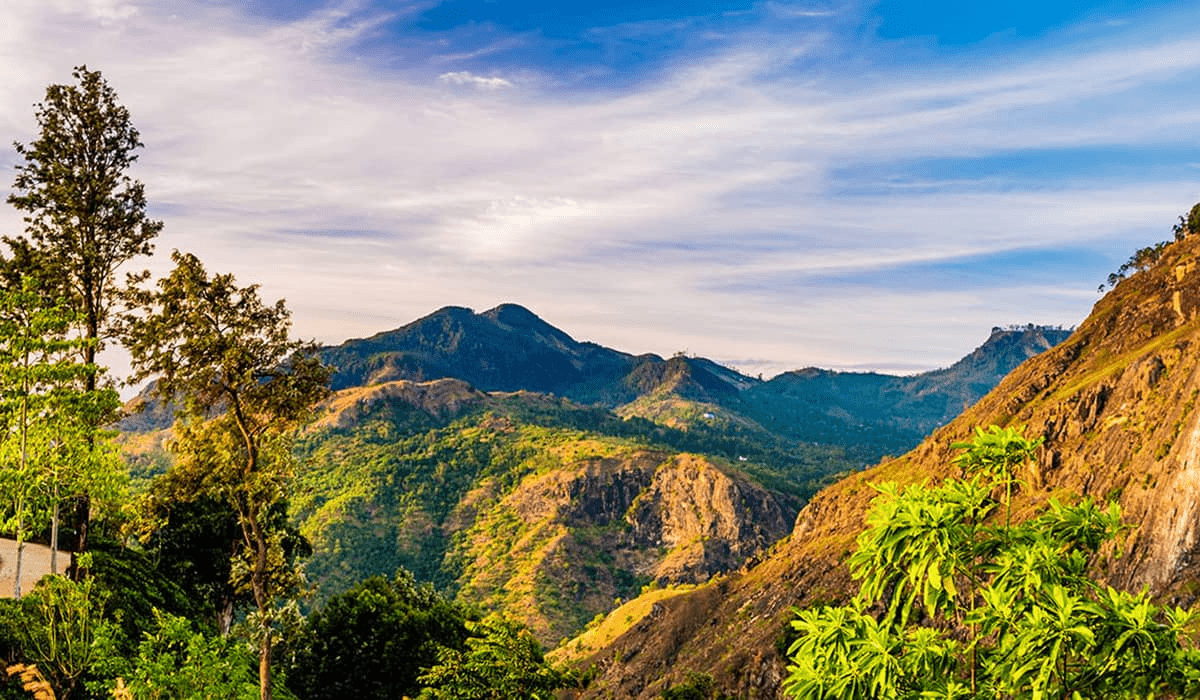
x,y
264,668
225,617
54,533
24,472
259,583
20,551
83,505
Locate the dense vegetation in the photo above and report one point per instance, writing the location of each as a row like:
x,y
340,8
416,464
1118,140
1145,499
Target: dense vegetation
x,y
400,458
205,603
442,496
957,601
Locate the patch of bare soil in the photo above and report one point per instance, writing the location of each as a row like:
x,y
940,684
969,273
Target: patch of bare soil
x,y
35,563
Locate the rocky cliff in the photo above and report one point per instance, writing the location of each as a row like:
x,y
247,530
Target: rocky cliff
x,y
1116,404
564,544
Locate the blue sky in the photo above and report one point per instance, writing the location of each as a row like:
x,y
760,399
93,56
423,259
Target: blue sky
x,y
856,185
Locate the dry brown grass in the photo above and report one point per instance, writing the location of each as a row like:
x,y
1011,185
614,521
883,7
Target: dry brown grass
x,y
32,681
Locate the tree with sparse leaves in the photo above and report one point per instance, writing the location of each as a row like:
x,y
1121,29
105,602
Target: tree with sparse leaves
x,y
48,449
953,606
84,215
246,386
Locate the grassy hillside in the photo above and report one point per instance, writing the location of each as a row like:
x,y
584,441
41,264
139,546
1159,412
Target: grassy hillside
x,y
534,504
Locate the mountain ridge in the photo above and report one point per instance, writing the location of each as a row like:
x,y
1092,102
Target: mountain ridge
x,y
509,348
1116,405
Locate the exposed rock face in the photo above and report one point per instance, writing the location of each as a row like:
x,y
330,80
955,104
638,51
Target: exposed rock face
x,y
709,521
652,515
1116,404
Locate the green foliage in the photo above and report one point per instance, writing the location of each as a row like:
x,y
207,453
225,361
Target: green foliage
x,y
1193,219
372,641
996,454
696,686
187,534
135,592
952,606
177,661
49,446
1144,258
84,219
85,216
246,385
14,621
68,631
502,660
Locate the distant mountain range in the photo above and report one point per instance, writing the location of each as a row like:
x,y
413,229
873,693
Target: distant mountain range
x,y
509,348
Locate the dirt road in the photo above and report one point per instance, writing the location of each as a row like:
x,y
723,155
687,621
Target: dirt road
x,y
35,563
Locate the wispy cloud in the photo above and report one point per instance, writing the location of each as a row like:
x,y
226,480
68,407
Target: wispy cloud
x,y
735,198
463,77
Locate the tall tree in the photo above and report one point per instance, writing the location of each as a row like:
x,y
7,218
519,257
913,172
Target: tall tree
x,y
230,357
84,215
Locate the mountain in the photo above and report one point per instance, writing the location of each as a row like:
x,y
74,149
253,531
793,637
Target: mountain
x,y
509,348
878,414
1116,404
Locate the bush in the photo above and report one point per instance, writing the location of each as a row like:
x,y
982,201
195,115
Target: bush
x,y
372,641
952,606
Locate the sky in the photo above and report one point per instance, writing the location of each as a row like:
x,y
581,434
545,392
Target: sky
x,y
773,185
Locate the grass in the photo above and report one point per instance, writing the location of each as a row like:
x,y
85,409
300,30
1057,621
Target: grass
x,y
1111,365
615,624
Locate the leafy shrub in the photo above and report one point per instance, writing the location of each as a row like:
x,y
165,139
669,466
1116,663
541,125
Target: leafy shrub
x,y
373,640
952,606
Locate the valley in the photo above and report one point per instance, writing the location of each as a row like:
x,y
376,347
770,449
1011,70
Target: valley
x,y
503,461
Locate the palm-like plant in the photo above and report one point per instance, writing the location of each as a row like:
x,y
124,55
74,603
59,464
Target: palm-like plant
x,y
951,606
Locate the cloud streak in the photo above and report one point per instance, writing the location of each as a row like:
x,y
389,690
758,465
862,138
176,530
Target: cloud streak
x,y
735,198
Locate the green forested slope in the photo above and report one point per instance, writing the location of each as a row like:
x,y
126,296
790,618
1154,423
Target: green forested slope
x,y
532,503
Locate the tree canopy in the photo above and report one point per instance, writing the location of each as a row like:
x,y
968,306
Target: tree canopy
x,y
84,215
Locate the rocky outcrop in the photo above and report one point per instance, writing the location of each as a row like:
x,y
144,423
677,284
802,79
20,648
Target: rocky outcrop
x,y
709,521
563,544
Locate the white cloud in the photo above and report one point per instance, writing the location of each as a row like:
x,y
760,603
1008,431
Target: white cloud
x,y
463,77
643,214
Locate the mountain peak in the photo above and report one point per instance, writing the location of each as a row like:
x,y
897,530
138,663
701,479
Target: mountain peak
x,y
511,313
506,348
518,318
